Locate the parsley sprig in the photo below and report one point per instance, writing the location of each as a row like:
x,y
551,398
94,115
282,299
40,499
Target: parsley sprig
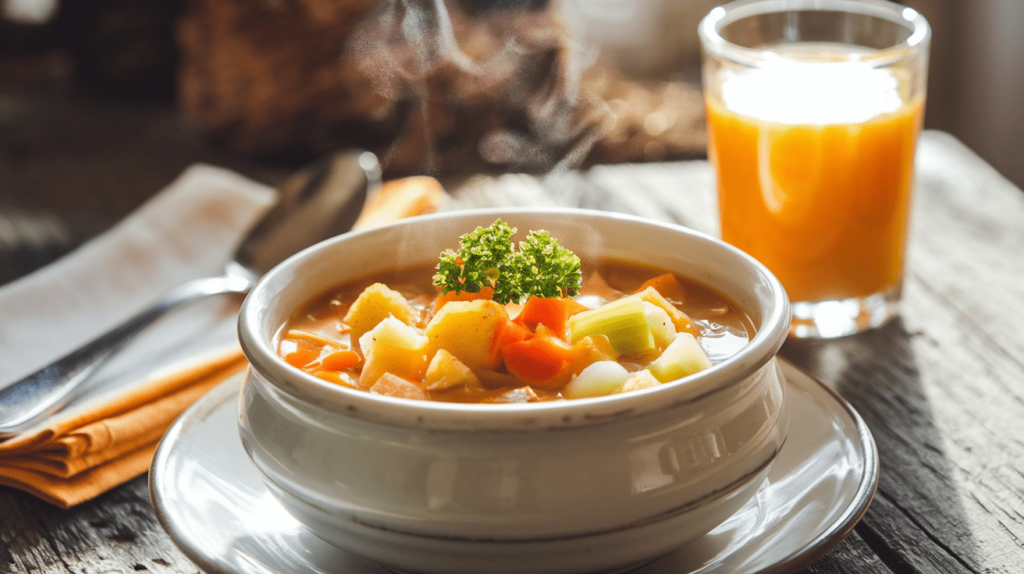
x,y
488,258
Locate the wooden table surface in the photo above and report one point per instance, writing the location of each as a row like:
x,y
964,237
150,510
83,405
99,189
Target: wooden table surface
x,y
941,387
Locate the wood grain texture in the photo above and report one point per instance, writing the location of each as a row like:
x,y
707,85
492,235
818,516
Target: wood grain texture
x,y
851,556
115,533
900,543
941,387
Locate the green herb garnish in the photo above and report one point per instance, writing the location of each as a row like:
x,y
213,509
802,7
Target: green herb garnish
x,y
546,268
487,257
483,255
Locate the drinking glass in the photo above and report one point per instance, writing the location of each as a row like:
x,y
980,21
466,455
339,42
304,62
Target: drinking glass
x,y
814,108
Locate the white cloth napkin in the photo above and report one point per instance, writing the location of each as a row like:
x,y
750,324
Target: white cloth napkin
x,y
188,230
109,433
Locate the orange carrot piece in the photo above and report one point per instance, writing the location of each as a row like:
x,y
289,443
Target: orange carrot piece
x,y
573,306
302,357
333,377
551,312
340,360
296,335
443,298
668,286
508,332
540,361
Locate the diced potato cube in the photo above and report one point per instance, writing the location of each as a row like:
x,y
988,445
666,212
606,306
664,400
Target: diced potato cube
x,y
639,380
373,305
446,371
445,298
392,347
681,321
465,329
395,386
683,357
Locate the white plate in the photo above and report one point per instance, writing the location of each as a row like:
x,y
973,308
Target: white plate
x,y
211,501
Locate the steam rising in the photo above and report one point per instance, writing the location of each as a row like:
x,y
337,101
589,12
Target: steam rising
x,y
439,87
447,69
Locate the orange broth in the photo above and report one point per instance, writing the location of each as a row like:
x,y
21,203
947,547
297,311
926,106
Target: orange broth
x,y
724,328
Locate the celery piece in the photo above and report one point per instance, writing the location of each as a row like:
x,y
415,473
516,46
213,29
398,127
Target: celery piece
x,y
624,322
683,357
598,379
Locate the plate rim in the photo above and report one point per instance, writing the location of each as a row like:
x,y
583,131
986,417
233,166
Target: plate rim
x,y
198,411
866,488
796,561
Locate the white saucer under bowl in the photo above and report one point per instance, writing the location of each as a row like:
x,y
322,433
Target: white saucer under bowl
x,y
213,504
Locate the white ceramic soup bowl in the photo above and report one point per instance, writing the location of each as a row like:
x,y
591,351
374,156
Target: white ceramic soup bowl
x,y
587,485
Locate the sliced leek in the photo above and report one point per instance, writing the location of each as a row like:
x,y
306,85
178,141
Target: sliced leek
x,y
624,322
662,328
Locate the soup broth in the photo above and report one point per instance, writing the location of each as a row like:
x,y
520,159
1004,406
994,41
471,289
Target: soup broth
x,y
317,340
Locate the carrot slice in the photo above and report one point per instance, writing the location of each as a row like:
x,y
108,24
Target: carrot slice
x,y
540,361
302,357
508,332
573,306
340,360
668,286
333,377
296,335
551,312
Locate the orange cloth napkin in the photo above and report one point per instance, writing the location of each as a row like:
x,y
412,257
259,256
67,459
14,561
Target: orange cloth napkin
x,y
109,435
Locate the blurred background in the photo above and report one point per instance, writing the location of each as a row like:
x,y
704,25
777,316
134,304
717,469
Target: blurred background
x,y
976,73
104,102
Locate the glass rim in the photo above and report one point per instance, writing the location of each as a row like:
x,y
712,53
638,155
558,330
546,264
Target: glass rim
x,y
713,42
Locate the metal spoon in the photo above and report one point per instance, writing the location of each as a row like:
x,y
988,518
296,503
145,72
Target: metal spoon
x,y
319,202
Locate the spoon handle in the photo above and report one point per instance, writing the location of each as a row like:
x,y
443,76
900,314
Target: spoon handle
x,y
48,389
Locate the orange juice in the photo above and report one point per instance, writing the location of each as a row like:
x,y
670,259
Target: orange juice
x,y
814,178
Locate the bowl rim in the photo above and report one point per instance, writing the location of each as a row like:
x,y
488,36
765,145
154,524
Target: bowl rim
x,y
322,395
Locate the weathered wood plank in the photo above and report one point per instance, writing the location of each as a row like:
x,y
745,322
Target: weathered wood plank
x,y
901,544
851,556
115,533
